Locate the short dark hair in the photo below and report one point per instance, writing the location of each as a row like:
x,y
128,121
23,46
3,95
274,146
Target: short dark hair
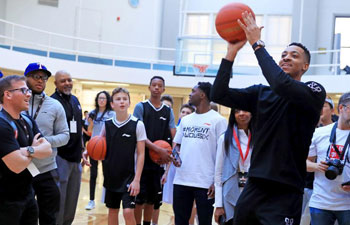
x,y
6,84
190,107
345,98
157,77
167,98
306,51
205,87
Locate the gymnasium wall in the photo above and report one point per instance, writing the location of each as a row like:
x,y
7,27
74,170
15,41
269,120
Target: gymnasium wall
x,y
96,20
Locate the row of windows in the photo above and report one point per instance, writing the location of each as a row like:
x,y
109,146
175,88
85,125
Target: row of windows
x,y
196,49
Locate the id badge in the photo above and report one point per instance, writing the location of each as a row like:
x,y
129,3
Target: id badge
x,y
73,126
33,169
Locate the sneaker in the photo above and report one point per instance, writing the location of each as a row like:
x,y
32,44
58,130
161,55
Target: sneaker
x,y
90,205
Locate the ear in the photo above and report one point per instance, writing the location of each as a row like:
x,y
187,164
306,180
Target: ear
x,y
305,67
7,95
163,90
112,104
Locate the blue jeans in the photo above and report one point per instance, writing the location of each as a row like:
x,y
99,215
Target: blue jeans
x,y
328,217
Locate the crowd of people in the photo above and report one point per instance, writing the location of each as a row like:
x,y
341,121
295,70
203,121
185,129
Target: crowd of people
x,y
251,169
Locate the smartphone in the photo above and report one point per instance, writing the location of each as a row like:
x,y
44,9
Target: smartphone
x,y
222,220
176,156
345,183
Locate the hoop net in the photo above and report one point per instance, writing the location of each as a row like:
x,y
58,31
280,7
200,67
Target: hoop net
x,y
199,69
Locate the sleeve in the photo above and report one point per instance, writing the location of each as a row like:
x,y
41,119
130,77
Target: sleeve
x,y
232,97
60,129
111,114
172,119
138,111
140,131
221,126
308,95
7,139
219,164
313,145
179,133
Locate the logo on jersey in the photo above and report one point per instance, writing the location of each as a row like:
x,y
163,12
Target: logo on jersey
x,y
208,124
196,132
162,118
289,221
314,87
333,154
126,135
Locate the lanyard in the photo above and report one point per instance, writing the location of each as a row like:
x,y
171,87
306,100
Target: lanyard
x,y
39,106
332,140
239,145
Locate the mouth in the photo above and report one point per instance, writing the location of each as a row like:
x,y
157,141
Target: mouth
x,y
286,65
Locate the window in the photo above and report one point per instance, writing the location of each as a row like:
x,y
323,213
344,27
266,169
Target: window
x,y
342,25
53,3
210,50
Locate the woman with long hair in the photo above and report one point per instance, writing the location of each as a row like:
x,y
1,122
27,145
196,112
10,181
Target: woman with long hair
x,y
232,164
97,117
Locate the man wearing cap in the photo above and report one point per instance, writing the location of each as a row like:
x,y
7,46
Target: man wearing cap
x,y
50,116
20,144
69,156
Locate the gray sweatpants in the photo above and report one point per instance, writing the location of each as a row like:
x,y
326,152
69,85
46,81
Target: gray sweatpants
x,y
69,184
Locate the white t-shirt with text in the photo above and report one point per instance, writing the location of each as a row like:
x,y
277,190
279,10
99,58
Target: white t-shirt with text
x,y
198,135
328,194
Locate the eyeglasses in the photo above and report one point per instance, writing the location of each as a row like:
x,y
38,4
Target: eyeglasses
x,y
23,90
38,77
102,98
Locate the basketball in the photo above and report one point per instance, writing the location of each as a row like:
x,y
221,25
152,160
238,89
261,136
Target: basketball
x,y
97,148
163,144
226,22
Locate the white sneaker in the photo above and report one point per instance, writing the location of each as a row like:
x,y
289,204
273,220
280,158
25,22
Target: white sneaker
x,y
90,205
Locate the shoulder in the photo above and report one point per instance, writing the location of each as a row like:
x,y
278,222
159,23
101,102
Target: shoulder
x,y
139,105
322,132
216,116
315,87
53,102
134,118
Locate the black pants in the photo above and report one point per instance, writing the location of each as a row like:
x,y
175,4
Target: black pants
x,y
266,202
48,196
20,212
183,203
93,177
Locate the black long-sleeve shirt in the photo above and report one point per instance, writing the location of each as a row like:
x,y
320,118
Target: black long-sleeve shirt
x,y
284,117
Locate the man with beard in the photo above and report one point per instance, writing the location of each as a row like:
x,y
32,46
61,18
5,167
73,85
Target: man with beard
x,y
49,114
69,156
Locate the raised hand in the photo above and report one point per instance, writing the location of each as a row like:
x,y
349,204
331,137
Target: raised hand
x,y
251,29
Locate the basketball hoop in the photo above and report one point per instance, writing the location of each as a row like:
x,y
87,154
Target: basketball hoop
x,y
199,69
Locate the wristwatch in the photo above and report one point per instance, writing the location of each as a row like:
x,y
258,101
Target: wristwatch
x,y
30,150
258,43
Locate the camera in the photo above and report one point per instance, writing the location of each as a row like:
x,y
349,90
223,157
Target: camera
x,y
335,168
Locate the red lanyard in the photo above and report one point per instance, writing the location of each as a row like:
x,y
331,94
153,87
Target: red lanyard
x,y
239,145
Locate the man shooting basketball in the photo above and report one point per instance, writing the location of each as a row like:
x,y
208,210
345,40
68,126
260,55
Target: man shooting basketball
x,y
284,117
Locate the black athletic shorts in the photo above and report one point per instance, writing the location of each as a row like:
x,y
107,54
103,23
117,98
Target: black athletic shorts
x,y
113,199
267,202
150,186
159,201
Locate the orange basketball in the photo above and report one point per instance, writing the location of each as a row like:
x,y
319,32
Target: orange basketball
x,y
163,144
97,148
226,22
